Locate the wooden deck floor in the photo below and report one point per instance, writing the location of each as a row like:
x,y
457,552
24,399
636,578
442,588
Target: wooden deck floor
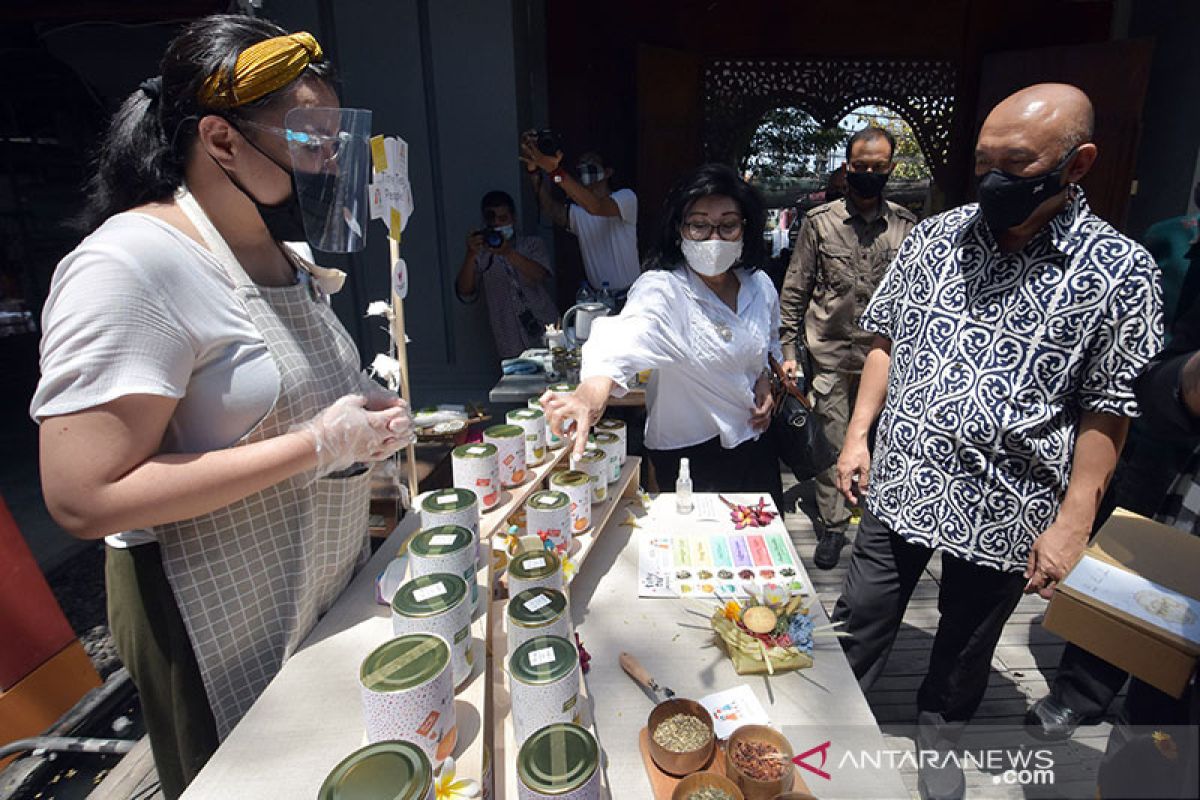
x,y
1025,662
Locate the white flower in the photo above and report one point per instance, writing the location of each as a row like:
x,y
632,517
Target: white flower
x,y
447,788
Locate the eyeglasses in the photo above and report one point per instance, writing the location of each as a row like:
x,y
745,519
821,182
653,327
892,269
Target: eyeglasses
x,y
329,145
728,230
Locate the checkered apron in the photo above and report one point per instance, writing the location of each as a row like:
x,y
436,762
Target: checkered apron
x,y
251,579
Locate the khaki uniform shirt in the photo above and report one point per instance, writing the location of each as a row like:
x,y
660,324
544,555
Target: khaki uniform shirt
x,y
839,260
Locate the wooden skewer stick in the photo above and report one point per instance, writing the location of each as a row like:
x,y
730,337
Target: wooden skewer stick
x,y
398,335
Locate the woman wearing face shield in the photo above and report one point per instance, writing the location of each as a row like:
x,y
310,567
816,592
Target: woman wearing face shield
x,y
200,405
704,319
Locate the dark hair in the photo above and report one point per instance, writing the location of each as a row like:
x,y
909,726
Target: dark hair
x,y
141,157
497,198
868,134
710,179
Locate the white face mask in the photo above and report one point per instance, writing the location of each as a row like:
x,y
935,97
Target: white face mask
x,y
711,257
505,230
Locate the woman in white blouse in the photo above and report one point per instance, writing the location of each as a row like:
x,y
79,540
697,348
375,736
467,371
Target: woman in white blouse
x,y
704,320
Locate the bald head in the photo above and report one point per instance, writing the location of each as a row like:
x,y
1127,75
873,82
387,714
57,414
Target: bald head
x,y
1052,111
1029,132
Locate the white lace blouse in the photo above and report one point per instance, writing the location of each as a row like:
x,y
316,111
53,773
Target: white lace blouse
x,y
706,358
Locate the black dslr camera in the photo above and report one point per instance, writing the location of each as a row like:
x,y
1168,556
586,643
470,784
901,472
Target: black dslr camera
x,y
548,142
491,237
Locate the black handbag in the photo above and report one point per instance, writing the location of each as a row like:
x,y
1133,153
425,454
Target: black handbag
x,y
798,433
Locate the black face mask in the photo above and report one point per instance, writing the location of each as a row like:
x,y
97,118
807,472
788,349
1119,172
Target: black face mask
x,y
1006,200
285,220
867,184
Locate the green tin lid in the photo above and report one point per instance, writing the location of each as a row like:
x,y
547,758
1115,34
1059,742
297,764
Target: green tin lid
x,y
571,478
563,387
446,500
543,660
391,770
604,438
505,432
429,595
475,450
547,500
610,425
404,663
534,564
592,454
536,607
558,759
524,414
443,540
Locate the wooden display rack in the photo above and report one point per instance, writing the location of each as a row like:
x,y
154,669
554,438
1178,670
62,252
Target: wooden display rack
x,y
622,495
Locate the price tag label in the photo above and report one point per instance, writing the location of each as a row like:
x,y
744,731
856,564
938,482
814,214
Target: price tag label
x,y
539,657
446,499
544,502
477,450
429,592
442,539
535,563
539,602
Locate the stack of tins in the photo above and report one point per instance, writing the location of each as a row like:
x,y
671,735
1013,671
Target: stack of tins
x,y
447,548
617,428
476,467
610,445
452,507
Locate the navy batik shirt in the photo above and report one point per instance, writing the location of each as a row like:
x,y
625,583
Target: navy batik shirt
x,y
994,357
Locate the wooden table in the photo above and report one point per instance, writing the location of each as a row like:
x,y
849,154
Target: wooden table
x,y
676,646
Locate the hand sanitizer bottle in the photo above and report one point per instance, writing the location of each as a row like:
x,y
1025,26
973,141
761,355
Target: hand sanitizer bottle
x,y
683,488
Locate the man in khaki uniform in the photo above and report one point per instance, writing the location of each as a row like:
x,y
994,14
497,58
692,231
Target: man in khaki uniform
x,y
841,253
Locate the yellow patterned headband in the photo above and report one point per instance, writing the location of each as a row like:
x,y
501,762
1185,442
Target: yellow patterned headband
x,y
261,69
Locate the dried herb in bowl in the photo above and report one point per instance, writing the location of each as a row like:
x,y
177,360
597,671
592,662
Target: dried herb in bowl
x,y
682,733
759,760
710,793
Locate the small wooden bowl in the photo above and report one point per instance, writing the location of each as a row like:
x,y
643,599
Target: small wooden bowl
x,y
704,780
680,763
755,789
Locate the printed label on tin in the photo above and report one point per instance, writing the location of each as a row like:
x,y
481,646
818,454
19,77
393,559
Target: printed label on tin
x,y
446,499
428,728
535,563
476,451
442,539
541,601
567,706
544,502
463,634
429,592
539,657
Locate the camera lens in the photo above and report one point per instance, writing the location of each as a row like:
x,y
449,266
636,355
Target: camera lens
x,y
493,238
547,142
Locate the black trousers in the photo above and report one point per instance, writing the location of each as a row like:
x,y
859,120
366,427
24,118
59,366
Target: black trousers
x,y
974,604
750,467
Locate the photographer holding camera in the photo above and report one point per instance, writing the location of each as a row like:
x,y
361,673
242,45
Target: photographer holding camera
x,y
604,221
513,270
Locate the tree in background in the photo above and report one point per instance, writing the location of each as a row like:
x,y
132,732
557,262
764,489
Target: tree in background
x,y
789,144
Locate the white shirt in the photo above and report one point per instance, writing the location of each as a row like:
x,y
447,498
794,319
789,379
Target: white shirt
x,y
608,244
706,358
140,308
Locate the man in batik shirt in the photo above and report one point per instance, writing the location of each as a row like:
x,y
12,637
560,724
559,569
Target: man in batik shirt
x,y
1008,336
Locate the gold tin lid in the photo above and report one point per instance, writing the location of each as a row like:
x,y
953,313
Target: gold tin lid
x,y
445,501
429,595
536,607
571,478
504,432
543,660
444,540
404,663
558,759
475,450
534,564
547,500
392,770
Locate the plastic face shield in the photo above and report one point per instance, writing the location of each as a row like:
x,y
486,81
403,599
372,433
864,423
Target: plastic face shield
x,y
331,164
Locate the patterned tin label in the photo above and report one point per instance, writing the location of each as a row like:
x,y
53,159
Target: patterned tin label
x,y
407,689
543,677
477,468
446,615
509,441
577,486
448,548
533,422
548,516
620,430
594,462
451,507
611,445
